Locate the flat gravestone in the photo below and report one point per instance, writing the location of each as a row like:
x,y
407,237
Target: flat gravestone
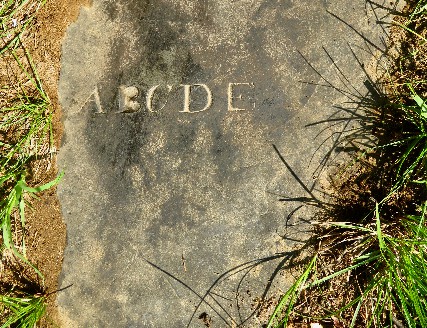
x,y
187,136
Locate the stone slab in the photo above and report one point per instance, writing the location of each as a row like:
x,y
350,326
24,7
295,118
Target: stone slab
x,y
174,191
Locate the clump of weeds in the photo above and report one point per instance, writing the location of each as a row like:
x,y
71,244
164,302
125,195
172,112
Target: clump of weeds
x,y
370,262
25,138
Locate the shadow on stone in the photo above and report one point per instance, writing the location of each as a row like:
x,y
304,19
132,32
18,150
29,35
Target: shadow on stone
x,y
214,301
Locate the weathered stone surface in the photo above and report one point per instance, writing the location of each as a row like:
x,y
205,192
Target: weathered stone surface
x,y
174,213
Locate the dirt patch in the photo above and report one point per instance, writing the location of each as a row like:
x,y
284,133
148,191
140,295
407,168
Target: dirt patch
x,y
46,231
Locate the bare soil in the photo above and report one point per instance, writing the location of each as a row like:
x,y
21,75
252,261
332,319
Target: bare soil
x,y
46,231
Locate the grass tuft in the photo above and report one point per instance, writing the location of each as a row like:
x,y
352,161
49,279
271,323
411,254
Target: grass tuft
x,y
370,266
25,138
23,312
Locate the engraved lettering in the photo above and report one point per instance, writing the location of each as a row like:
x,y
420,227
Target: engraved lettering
x,y
150,97
231,96
127,98
97,99
187,98
127,102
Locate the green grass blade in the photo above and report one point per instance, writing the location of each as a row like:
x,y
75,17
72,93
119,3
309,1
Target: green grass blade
x,y
43,187
356,313
349,268
411,31
291,296
378,224
25,312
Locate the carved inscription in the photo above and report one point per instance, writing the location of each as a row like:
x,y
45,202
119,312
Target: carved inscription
x,y
231,96
150,97
97,98
128,98
187,98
